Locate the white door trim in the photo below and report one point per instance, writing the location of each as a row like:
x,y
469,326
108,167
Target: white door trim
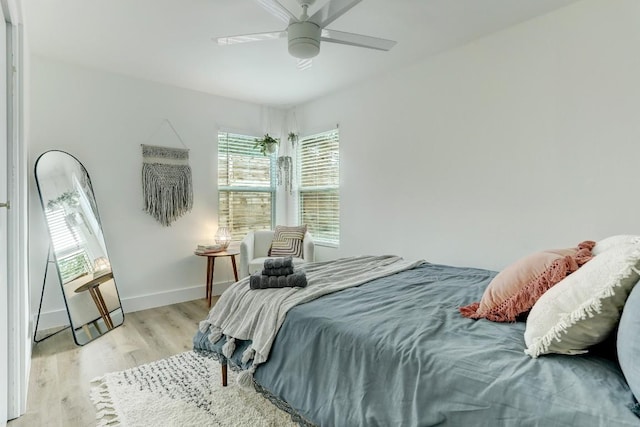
x,y
4,234
17,297
18,289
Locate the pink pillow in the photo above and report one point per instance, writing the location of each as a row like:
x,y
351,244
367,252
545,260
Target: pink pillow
x,y
516,288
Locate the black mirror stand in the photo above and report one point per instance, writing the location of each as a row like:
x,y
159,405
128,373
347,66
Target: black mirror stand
x,y
44,282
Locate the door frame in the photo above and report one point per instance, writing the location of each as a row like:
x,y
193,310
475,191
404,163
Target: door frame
x,y
18,330
4,228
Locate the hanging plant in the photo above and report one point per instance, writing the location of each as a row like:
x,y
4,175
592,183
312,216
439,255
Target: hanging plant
x,y
285,173
69,198
267,145
293,137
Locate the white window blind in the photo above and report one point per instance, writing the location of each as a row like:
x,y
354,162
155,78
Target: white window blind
x,y
68,245
246,185
319,197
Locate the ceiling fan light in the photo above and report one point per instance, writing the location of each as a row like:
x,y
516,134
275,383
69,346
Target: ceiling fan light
x,y
304,39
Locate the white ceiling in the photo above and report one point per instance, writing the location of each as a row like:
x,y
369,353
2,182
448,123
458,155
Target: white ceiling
x,y
170,41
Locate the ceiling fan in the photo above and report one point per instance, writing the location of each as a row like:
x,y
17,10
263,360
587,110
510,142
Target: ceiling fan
x,y
305,33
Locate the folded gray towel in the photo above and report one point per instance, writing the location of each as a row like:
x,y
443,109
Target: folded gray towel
x,y
278,262
295,280
284,271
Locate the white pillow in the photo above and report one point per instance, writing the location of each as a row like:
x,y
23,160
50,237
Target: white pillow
x,y
613,241
582,309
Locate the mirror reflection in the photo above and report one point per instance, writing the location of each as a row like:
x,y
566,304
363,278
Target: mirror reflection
x,y
77,246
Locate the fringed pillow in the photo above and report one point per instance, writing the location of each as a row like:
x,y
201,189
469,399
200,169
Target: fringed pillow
x,y
516,288
583,309
613,241
287,241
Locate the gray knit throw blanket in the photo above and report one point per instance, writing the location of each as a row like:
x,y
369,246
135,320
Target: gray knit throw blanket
x,y
166,183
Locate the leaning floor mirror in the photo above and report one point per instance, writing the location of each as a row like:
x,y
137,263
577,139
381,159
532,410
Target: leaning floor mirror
x,y
77,247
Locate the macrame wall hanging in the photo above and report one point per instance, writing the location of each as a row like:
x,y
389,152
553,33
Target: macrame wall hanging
x,y
285,173
166,181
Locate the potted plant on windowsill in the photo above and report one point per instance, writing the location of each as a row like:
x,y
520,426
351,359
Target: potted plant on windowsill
x,y
267,145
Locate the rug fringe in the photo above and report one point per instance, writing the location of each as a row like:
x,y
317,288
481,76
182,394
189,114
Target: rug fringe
x,y
106,414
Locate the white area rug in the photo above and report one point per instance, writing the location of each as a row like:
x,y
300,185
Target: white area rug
x,y
183,390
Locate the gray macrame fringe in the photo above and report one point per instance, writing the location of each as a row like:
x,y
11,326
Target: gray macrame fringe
x,y
167,187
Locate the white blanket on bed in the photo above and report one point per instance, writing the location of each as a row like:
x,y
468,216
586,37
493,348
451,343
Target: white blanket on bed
x,y
257,314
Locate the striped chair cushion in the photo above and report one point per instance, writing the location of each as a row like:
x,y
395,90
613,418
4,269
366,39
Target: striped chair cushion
x,y
288,241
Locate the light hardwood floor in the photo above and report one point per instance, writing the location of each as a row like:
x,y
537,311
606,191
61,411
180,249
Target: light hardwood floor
x,y
61,371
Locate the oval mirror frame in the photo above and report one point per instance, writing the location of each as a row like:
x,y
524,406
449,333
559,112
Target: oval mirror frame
x,y
77,246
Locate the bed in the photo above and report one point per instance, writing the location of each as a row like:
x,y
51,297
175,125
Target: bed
x,y
395,351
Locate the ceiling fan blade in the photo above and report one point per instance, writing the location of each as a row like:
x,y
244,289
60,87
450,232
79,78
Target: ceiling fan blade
x,y
247,38
279,11
332,11
359,40
304,64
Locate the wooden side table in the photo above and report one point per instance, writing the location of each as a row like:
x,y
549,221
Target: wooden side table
x,y
211,261
93,286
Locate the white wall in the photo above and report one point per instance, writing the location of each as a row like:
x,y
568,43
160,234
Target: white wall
x,y
102,119
520,141
524,140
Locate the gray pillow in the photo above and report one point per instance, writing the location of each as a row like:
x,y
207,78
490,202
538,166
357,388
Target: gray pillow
x,y
628,343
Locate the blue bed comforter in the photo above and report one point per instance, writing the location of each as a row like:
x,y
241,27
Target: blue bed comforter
x,y
396,352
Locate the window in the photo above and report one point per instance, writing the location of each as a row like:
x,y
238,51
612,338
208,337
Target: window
x,y
319,198
68,245
246,185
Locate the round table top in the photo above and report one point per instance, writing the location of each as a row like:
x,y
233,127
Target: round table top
x,y
95,282
227,252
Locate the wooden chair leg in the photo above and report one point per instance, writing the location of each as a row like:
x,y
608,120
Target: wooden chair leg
x,y
224,375
210,284
87,331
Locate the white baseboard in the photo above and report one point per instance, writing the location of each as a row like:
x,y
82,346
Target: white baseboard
x,y
56,318
219,288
